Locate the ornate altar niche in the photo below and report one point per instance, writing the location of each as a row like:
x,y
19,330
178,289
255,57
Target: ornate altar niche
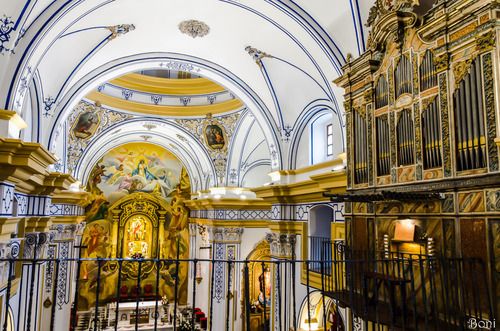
x,y
260,286
139,226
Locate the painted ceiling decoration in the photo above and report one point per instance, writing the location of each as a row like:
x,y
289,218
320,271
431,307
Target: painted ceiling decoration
x,y
194,28
165,96
147,73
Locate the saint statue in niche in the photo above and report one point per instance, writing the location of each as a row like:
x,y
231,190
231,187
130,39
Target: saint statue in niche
x,y
215,136
137,231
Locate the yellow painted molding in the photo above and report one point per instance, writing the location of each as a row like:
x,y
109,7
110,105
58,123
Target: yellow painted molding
x,y
497,141
81,198
202,110
8,226
37,224
10,115
56,181
67,219
310,190
235,204
323,165
295,227
24,164
231,223
159,85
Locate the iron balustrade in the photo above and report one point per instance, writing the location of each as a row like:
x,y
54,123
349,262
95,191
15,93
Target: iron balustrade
x,y
319,250
401,291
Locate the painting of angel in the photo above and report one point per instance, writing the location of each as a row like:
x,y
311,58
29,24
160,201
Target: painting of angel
x,y
137,168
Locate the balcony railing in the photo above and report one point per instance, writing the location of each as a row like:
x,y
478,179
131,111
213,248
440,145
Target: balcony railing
x,y
320,249
408,292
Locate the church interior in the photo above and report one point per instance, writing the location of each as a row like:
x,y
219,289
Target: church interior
x,y
249,165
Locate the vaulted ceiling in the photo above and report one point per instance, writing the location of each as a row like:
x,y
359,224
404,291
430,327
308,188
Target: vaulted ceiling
x,y
271,62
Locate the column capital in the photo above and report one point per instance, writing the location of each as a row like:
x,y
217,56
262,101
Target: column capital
x,y
282,245
34,243
225,235
63,232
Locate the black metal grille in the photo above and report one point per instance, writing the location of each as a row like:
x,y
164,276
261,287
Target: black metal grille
x,y
402,291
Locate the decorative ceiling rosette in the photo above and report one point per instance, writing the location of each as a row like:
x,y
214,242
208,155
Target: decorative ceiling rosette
x,y
194,28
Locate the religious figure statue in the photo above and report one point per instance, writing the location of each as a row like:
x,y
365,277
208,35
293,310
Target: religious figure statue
x,y
137,230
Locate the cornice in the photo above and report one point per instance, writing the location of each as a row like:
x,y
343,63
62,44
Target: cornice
x,y
67,219
73,198
162,110
295,227
231,223
236,204
323,165
56,181
158,85
37,224
25,164
304,191
12,116
8,226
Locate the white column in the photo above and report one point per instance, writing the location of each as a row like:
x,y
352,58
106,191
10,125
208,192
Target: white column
x,y
282,248
226,245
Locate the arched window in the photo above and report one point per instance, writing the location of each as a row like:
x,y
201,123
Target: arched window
x,y
325,142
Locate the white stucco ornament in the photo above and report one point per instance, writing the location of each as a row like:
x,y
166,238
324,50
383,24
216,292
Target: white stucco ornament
x,y
194,28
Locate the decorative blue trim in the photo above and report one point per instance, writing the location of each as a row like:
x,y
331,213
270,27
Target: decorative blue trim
x,y
147,58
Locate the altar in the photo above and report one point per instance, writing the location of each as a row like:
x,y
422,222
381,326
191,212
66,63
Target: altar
x,y
127,312
147,311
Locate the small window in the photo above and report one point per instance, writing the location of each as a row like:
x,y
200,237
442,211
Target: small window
x,y
329,140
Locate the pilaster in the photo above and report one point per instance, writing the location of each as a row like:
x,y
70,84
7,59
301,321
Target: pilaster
x,y
225,243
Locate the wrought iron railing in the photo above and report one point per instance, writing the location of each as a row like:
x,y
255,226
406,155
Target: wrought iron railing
x,y
319,250
408,292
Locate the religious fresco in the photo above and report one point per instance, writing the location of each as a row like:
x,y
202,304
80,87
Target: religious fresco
x,y
137,213
215,136
86,124
135,167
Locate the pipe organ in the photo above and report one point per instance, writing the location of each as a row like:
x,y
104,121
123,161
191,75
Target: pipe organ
x,y
383,152
431,136
469,118
406,138
422,115
402,76
381,93
360,148
427,70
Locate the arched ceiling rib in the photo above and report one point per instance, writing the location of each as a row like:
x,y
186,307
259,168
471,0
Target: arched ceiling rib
x,y
62,50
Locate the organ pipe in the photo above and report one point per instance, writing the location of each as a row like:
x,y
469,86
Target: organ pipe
x,y
431,136
405,138
403,77
360,149
428,76
383,147
381,93
469,120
